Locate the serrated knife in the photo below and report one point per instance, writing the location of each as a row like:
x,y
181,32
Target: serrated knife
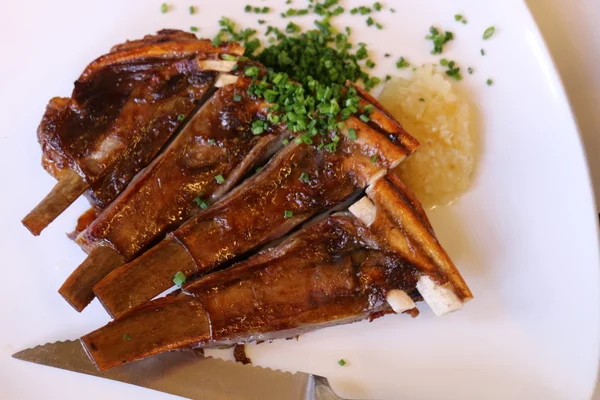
x,y
189,374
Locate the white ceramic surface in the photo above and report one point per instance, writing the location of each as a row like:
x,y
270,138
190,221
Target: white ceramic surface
x,y
524,237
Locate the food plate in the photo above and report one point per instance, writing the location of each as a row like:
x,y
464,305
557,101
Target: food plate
x,y
524,237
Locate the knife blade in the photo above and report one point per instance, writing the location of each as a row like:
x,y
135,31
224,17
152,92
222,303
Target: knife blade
x,y
188,374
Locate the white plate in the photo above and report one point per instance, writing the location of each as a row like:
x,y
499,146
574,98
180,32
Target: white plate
x,y
524,237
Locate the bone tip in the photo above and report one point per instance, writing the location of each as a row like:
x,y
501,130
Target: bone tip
x,y
399,301
440,298
225,79
364,210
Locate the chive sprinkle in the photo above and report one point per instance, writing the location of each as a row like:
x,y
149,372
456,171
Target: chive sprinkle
x,y
364,118
377,6
489,32
192,10
402,63
304,177
460,18
489,82
421,99
288,214
482,51
259,169
179,278
203,204
194,28
180,117
374,159
164,7
219,178
211,141
439,39
127,336
470,70
237,97
342,362
352,133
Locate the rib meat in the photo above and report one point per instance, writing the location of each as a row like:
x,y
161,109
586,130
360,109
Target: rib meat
x,y
337,271
218,141
125,106
263,208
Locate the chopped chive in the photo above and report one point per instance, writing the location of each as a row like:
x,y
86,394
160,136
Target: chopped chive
x,y
203,204
352,133
388,77
219,178
386,55
285,142
288,214
127,336
179,278
489,82
489,32
342,362
228,57
194,28
377,6
304,177
259,169
421,99
364,118
261,21
164,7
180,117
237,97
370,64
378,25
370,21
460,18
251,71
192,10
402,63
470,70
248,8
265,10
374,159
482,51
211,141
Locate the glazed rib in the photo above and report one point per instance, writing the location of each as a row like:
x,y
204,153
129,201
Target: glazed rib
x,y
255,212
334,272
218,141
124,108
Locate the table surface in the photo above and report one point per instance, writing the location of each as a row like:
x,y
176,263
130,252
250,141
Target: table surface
x,y
571,33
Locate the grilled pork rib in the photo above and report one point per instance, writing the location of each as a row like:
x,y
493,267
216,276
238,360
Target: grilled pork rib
x,y
337,271
298,183
125,106
217,142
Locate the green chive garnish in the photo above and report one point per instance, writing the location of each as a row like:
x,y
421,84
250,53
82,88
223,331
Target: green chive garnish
x,y
352,133
127,336
179,278
192,10
342,362
364,118
304,177
180,117
203,204
237,97
211,141
194,28
489,32
402,63
288,214
219,178
489,82
377,6
248,8
164,7
374,159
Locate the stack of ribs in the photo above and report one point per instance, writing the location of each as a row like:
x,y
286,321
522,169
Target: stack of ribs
x,y
275,236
